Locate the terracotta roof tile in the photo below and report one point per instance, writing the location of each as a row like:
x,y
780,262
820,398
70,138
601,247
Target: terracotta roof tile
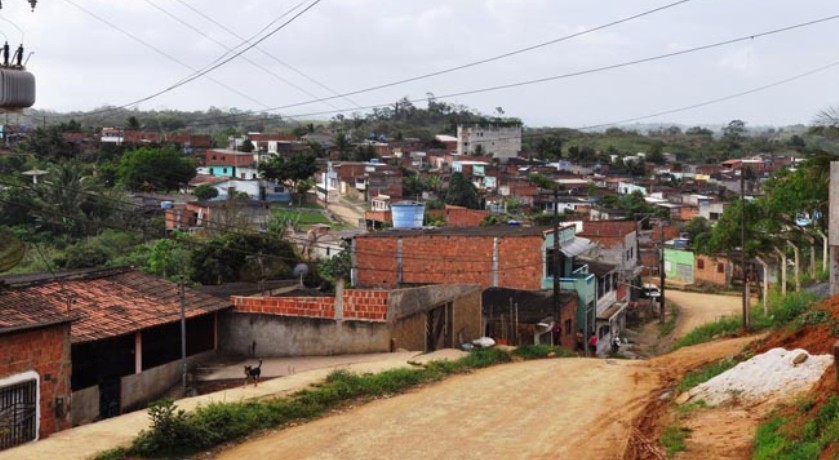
x,y
102,304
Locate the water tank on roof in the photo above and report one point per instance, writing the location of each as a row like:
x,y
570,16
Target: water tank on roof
x,y
17,89
166,205
407,214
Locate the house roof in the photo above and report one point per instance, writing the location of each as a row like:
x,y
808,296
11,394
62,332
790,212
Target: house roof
x,y
490,231
103,303
598,268
612,228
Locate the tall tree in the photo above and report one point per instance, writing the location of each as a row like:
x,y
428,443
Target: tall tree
x,y
462,192
151,168
290,171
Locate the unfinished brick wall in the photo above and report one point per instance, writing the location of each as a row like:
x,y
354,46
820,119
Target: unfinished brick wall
x,y
457,216
47,352
443,259
359,305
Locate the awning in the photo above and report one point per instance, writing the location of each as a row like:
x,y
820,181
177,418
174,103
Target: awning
x,y
611,312
576,246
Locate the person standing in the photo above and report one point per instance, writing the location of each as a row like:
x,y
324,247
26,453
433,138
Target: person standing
x,y
592,343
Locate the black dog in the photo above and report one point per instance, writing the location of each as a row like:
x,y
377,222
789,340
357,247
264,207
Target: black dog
x,y
253,373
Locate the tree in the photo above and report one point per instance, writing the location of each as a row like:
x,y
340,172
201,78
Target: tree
x,y
462,192
342,145
290,171
50,143
247,146
151,168
236,257
656,154
697,226
205,192
364,153
734,134
132,123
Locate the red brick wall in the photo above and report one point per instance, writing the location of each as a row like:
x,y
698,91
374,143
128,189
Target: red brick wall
x,y
47,352
358,305
457,216
709,273
441,259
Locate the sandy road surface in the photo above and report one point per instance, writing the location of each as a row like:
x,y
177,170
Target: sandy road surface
x,y
564,408
533,409
696,309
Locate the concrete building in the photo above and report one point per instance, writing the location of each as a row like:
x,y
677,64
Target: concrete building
x,y
502,142
354,321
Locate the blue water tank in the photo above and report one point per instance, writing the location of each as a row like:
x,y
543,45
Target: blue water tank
x,y
407,214
166,205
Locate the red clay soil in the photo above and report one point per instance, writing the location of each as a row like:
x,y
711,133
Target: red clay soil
x,y
816,339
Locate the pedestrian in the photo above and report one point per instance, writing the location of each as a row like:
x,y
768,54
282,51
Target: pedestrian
x,y
6,55
579,340
20,55
592,343
616,344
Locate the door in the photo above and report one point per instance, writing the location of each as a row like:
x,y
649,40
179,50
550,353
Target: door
x,y
18,404
109,397
438,328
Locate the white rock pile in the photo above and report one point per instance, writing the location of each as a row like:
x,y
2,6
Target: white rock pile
x,y
778,372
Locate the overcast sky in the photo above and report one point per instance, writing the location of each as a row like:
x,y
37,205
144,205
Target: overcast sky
x,y
82,63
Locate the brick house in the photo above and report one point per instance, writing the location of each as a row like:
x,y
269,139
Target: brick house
x,y
716,270
34,374
125,336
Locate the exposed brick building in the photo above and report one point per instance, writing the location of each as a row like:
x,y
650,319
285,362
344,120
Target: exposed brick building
x,y
499,256
458,216
34,375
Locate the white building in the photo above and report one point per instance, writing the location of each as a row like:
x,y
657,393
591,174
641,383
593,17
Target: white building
x,y
501,142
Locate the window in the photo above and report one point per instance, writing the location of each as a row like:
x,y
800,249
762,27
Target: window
x,y
627,254
720,268
224,171
18,404
714,216
700,264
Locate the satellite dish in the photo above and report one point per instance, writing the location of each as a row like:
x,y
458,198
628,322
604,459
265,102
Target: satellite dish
x,y
300,270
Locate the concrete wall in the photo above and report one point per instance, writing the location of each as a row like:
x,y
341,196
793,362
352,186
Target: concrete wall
x,y
138,389
298,336
84,406
409,332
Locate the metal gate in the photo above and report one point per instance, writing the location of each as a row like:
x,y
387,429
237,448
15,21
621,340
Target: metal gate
x,y
17,413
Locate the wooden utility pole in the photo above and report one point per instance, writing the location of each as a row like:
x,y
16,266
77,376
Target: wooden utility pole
x,y
662,275
182,296
746,317
555,261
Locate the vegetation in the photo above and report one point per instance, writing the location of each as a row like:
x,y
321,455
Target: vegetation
x,y
205,192
705,373
543,351
462,192
800,435
666,328
174,432
151,168
294,171
673,439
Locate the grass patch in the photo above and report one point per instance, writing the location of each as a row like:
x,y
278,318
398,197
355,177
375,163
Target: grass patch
x,y
542,351
689,408
666,328
176,433
705,373
673,439
798,436
302,217
782,310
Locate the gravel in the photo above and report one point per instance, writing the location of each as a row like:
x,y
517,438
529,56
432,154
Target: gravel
x,y
763,377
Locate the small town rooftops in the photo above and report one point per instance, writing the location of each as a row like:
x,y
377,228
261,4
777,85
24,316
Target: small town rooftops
x,y
491,231
103,304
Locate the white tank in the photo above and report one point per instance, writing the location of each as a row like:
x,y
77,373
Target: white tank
x,y
17,89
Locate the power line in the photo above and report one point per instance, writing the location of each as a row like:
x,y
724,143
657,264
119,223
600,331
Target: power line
x,y
544,79
213,66
231,50
160,52
285,64
429,75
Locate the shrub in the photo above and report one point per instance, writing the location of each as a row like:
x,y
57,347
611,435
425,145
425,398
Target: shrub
x,y
170,431
673,439
541,351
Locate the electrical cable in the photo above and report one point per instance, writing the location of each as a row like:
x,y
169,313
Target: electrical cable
x,y
160,52
231,50
285,64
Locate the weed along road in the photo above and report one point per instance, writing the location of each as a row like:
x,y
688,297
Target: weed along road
x,y
544,408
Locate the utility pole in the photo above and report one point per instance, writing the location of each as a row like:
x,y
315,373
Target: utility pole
x,y
182,295
662,275
746,319
555,261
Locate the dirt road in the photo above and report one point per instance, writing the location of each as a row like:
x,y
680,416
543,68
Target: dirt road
x,y
345,211
564,408
696,309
